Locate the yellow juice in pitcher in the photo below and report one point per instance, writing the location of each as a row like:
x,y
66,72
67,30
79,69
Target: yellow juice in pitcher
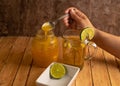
x,y
73,51
45,48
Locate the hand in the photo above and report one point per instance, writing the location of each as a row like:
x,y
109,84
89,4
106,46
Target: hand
x,y
76,18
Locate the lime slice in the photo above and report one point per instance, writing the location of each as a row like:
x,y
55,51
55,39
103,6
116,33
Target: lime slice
x,y
57,71
87,33
46,26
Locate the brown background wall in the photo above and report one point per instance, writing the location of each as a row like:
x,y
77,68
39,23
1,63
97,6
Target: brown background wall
x,y
25,17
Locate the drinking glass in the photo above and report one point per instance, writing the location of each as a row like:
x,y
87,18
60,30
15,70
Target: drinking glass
x,y
45,48
74,50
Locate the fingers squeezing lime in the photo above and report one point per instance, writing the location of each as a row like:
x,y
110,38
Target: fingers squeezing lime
x,y
87,33
57,71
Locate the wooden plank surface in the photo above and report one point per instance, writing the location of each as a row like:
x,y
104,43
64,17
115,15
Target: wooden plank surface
x,y
5,47
25,67
18,69
99,70
34,74
12,64
113,69
85,72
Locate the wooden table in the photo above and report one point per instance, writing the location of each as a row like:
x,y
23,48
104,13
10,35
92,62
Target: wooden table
x,y
17,67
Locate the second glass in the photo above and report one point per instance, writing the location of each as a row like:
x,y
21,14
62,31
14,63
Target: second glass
x,y
73,49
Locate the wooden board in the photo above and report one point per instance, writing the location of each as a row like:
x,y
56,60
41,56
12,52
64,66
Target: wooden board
x,y
99,70
113,69
8,72
25,67
18,69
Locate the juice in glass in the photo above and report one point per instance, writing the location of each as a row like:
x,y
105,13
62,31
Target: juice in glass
x,y
45,48
73,51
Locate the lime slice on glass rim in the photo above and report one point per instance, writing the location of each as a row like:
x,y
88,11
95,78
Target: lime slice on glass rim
x,y
47,26
87,33
57,71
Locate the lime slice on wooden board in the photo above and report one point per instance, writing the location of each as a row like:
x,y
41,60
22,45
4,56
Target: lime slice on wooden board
x,y
57,71
46,26
87,33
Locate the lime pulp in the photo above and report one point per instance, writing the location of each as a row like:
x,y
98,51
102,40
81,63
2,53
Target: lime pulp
x,y
57,71
87,33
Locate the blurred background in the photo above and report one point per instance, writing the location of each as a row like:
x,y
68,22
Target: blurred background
x,y
25,17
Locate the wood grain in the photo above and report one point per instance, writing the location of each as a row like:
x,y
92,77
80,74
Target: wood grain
x,y
85,72
10,69
5,45
114,72
99,70
25,67
18,69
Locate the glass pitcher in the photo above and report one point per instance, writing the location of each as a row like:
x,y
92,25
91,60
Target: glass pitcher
x,y
74,50
45,48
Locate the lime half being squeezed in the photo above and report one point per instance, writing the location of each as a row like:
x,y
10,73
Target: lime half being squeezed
x,y
57,71
87,33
